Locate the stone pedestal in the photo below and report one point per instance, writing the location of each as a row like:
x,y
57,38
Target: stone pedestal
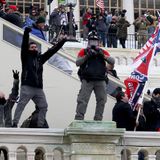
x,y
93,140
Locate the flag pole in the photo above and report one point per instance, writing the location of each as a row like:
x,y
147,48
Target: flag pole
x,y
94,6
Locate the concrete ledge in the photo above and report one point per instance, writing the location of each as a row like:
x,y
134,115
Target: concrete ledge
x,y
94,128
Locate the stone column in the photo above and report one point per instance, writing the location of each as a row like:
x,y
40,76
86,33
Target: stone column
x,y
134,157
93,140
49,156
30,155
151,157
12,155
129,6
66,156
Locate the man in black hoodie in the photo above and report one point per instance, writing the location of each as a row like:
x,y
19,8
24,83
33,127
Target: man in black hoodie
x,y
32,78
151,111
122,113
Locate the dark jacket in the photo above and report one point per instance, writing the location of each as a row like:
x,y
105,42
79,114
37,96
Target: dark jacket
x,y
6,109
122,28
32,65
123,115
112,30
152,114
14,18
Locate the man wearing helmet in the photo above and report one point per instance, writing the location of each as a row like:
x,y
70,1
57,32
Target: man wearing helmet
x,y
92,73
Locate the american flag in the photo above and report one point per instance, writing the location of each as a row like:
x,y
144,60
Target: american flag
x,y
100,4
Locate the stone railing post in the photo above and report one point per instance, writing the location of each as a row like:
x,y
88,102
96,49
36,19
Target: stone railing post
x,y
134,157
151,157
93,140
66,156
49,156
30,155
12,155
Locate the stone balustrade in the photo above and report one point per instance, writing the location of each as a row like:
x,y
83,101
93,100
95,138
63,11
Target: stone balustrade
x,y
82,140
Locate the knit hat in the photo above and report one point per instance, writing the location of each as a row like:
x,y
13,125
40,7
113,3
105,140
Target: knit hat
x,y
110,60
14,7
156,91
40,20
119,95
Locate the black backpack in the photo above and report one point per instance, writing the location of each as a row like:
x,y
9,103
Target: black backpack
x,y
31,121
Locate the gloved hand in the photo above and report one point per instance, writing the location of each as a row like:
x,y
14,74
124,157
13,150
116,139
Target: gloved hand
x,y
28,29
93,52
101,53
15,74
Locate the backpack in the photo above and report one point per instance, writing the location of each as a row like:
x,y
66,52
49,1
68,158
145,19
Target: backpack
x,y
31,121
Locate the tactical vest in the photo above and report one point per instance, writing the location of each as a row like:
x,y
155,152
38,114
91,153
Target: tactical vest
x,y
94,68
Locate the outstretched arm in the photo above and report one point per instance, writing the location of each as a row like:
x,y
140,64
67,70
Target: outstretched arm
x,y
11,100
25,42
50,52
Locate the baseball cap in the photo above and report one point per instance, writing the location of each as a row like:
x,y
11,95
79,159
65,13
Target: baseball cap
x,y
14,7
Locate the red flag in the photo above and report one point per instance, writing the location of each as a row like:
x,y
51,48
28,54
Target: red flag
x,y
100,4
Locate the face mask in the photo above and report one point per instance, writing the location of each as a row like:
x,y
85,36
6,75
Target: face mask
x,y
93,43
34,52
2,101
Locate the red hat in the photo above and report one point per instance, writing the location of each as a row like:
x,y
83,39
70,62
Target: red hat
x,y
14,7
3,1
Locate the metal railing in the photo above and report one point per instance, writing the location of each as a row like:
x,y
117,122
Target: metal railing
x,y
133,41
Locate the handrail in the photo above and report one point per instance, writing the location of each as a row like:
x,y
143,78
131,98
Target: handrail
x,y
35,38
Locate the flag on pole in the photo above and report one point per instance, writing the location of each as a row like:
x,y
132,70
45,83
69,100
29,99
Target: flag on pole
x,y
100,4
136,81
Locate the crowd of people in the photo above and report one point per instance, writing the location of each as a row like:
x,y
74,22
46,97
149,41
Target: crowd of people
x,y
113,26
110,26
94,65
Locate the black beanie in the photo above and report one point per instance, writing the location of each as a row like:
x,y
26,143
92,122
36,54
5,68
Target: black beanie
x,y
156,91
40,20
